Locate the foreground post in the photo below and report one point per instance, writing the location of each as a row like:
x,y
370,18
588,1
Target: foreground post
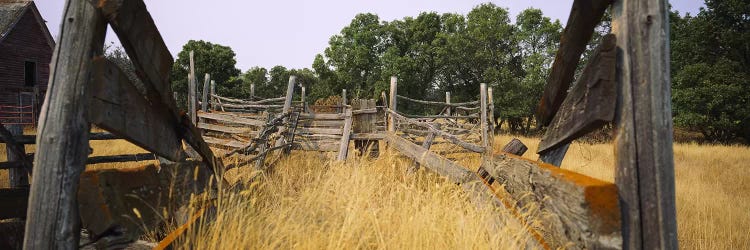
x,y
63,134
645,167
392,106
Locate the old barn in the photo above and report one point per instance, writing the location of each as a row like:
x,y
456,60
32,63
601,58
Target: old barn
x,y
26,48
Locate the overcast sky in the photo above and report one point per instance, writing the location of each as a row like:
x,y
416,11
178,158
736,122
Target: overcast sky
x,y
290,33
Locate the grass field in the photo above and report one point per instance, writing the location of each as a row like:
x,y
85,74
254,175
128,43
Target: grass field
x,y
309,202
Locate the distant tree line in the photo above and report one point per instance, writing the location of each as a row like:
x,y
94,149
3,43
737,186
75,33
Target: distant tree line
x,y
434,53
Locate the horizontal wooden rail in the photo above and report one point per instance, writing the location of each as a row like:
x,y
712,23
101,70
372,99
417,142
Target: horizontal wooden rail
x,y
230,118
449,137
240,101
472,116
458,104
31,139
121,158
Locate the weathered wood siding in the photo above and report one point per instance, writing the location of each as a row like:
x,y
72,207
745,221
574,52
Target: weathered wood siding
x,y
26,42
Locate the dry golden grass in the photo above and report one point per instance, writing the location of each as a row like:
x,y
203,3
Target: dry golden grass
x,y
310,202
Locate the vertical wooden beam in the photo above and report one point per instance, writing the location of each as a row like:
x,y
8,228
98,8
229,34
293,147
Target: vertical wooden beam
x,y
213,92
345,135
304,104
448,101
491,115
206,83
483,117
191,90
392,105
343,100
19,177
643,135
62,142
252,91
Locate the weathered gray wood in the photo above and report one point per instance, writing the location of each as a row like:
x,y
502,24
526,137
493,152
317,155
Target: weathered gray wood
x,y
133,200
368,136
579,212
304,102
426,144
322,145
250,106
13,203
223,142
206,83
213,92
337,116
259,102
448,101
287,106
15,152
483,119
444,135
584,16
117,106
327,131
432,117
121,158
344,101
587,107
192,96
62,141
365,117
514,147
346,133
430,160
392,104
31,139
226,129
491,115
320,123
643,125
458,104
229,118
138,34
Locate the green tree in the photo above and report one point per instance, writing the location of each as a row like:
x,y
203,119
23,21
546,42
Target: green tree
x,y
255,75
214,59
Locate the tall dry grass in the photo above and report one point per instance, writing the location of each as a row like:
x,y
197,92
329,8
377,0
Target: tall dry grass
x,y
310,202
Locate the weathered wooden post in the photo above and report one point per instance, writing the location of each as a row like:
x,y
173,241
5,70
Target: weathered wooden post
x,y
364,124
345,135
645,164
63,133
448,101
287,106
213,93
19,177
206,88
483,119
252,91
343,100
191,90
491,115
304,103
392,105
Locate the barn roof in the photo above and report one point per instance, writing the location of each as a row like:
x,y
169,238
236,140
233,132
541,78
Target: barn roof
x,y
11,12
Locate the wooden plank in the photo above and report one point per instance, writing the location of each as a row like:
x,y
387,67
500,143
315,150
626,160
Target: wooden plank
x,y
226,129
206,83
448,101
13,203
317,136
584,16
444,135
117,106
336,116
133,200
229,118
224,142
426,144
643,125
31,139
588,106
287,107
326,131
321,123
430,160
491,106
121,158
251,106
345,135
368,136
576,208
62,141
514,147
322,146
192,88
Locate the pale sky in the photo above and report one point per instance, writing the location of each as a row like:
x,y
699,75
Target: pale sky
x,y
289,33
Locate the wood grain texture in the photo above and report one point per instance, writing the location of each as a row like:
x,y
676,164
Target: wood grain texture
x,y
578,212
483,120
584,16
230,118
588,106
118,107
514,147
444,167
62,141
133,200
643,125
227,129
345,135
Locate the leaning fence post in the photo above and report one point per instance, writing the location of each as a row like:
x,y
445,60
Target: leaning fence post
x,y
643,136
483,118
287,106
191,90
392,106
62,147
